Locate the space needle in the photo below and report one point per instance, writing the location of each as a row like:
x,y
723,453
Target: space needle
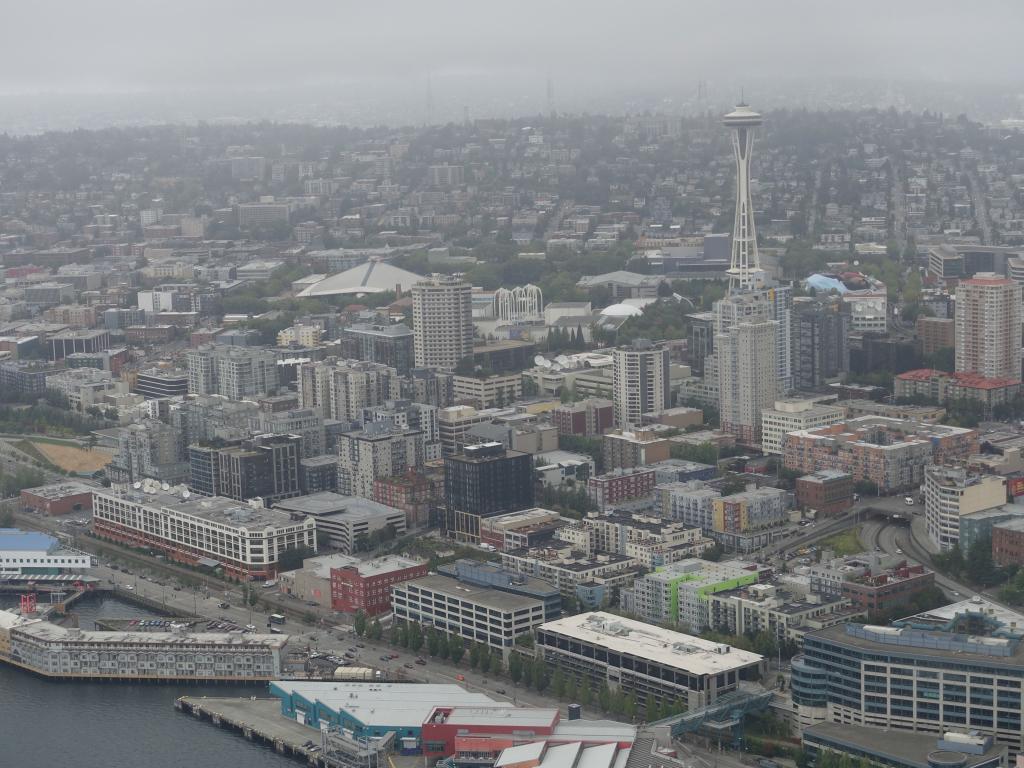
x,y
744,265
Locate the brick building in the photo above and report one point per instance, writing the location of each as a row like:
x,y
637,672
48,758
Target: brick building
x,y
365,585
942,387
935,333
413,493
58,498
1008,543
586,418
621,485
828,492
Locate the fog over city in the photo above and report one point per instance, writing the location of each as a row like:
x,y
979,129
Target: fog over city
x,y
417,62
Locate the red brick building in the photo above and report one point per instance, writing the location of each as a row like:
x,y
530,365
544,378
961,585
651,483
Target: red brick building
x,y
58,499
366,586
413,493
586,418
896,587
1008,543
621,485
826,492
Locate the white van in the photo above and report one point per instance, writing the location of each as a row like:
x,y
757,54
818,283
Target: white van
x,y
908,500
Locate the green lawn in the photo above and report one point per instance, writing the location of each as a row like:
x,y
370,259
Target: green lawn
x,y
845,543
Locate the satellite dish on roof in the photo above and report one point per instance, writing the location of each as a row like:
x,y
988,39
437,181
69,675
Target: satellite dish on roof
x,y
165,487
136,485
563,361
186,494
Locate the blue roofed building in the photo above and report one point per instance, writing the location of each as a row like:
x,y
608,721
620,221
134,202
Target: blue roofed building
x,y
31,552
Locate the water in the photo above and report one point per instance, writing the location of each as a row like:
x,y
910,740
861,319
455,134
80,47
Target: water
x,y
46,723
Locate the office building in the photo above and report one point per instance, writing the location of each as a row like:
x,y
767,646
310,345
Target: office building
x,y
341,389
479,614
794,414
827,493
350,522
303,422
266,467
493,576
633,448
156,383
390,345
640,382
935,333
482,481
318,473
69,342
413,493
442,321
821,348
378,450
365,585
952,492
148,449
957,667
245,541
644,660
988,326
252,215
961,748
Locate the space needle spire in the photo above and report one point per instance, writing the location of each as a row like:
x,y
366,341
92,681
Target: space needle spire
x,y
744,265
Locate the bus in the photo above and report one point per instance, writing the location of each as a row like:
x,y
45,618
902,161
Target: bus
x,y
275,618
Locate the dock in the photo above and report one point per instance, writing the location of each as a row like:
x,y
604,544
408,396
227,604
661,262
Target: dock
x,y
261,721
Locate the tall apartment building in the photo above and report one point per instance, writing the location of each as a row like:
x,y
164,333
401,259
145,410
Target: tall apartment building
x,y
149,449
238,373
442,321
820,342
950,493
377,451
266,467
633,448
446,175
406,415
482,481
747,363
640,382
691,503
743,520
341,389
988,326
390,345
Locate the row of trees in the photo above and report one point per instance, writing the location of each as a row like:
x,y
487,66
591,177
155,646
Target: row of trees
x,y
523,669
976,568
47,419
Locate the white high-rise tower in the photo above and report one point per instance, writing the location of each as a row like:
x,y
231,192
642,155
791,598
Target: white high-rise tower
x,y
745,265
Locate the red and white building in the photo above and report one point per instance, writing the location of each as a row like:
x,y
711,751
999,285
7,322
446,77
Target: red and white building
x,y
621,485
365,585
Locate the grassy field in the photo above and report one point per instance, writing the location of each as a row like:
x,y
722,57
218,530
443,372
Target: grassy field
x,y
845,543
72,459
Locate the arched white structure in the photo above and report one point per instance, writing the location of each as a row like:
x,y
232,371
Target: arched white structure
x,y
522,304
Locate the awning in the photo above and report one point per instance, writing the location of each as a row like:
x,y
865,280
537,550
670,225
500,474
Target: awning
x,y
208,563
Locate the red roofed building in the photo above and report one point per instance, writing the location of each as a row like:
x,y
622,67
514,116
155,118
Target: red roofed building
x,y
942,387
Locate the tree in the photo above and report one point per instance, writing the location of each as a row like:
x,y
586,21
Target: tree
x,y
558,684
443,649
456,648
650,709
713,553
415,637
395,634
474,655
291,559
628,707
617,702
570,688
376,630
540,677
433,642
586,695
604,697
403,637
515,668
359,622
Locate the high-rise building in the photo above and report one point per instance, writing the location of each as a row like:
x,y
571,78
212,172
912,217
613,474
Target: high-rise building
x,y
442,321
746,360
304,422
387,344
238,373
267,467
820,346
341,389
379,450
640,381
482,481
988,331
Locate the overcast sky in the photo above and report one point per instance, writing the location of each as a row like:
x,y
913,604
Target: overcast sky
x,y
125,45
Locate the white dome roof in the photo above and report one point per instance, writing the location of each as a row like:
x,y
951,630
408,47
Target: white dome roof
x,y
621,310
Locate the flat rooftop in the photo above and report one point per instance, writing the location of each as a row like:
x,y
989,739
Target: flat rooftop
x,y
907,749
228,512
485,596
638,639
45,631
328,503
406,705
